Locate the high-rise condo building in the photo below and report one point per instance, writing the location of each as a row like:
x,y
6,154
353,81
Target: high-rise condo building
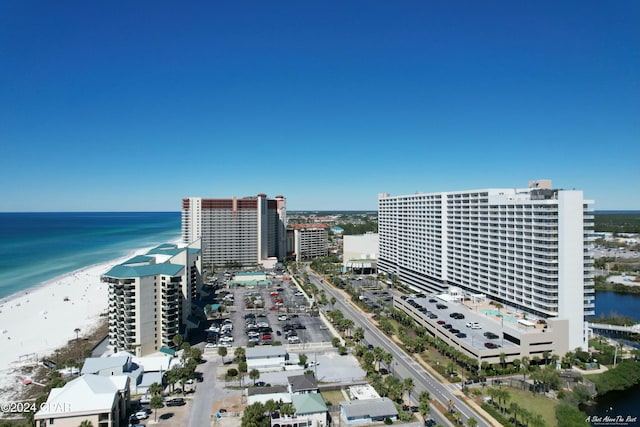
x,y
241,231
150,298
308,241
528,249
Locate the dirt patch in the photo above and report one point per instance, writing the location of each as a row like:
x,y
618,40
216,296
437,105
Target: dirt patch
x,y
233,403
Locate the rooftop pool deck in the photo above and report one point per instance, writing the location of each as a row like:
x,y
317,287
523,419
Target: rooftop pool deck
x,y
493,312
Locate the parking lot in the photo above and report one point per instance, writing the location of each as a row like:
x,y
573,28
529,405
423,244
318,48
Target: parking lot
x,y
485,334
263,314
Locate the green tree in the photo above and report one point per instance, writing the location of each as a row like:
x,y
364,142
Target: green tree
x,y
514,408
177,340
302,359
255,415
408,386
173,376
525,367
222,352
287,409
242,366
472,422
156,403
358,334
155,389
86,423
240,354
254,374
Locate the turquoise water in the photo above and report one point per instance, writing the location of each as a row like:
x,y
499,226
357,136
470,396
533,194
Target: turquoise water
x,y
37,247
493,312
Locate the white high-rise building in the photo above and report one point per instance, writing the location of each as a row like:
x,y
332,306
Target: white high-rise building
x,y
243,231
528,249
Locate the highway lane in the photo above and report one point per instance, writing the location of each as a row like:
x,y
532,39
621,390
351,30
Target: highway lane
x,y
404,365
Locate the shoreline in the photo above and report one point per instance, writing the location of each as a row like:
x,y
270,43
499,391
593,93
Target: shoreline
x,y
38,320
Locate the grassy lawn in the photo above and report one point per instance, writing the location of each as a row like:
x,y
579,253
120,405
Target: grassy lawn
x,y
534,403
333,396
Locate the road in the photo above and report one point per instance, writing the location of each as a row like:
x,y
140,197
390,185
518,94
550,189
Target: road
x,y
207,391
404,365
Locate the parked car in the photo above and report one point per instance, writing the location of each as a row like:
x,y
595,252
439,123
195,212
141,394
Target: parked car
x,y
176,401
141,415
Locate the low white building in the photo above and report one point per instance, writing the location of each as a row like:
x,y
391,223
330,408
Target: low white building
x,y
360,253
266,358
276,393
368,411
101,400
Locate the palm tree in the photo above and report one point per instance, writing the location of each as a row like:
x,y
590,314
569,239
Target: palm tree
x,y
287,409
222,352
387,358
358,334
254,374
525,366
155,389
525,416
514,408
537,420
156,403
86,423
240,353
77,331
177,340
472,422
408,386
503,397
503,358
378,354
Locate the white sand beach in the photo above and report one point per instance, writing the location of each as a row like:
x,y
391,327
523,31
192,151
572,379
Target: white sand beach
x,y
35,322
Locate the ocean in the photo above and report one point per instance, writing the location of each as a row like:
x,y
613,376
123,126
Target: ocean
x,y
38,247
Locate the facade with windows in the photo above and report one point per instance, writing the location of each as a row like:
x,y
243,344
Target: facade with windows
x,y
308,241
236,231
528,249
150,298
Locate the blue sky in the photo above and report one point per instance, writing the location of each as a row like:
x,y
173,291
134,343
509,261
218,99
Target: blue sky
x,y
124,106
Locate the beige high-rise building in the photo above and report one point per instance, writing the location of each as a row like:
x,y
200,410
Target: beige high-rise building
x,y
242,231
151,296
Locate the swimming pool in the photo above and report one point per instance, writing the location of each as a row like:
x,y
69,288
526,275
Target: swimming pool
x,y
493,312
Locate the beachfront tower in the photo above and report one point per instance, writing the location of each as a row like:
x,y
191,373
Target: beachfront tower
x,y
528,249
236,231
151,298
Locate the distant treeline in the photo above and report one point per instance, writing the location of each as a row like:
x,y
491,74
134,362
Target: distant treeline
x,y
360,228
617,222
